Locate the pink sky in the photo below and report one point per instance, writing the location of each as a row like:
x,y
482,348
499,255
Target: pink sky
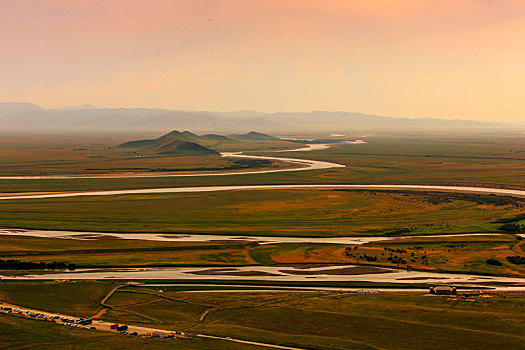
x,y
450,59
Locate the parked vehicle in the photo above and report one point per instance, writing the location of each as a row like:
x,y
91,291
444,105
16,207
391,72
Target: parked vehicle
x,y
113,326
85,322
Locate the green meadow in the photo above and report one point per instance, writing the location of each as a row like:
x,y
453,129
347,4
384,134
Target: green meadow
x,y
475,160
319,320
61,155
460,254
17,333
266,212
325,320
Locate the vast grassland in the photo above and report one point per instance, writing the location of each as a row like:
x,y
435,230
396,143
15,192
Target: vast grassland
x,y
483,160
382,321
71,298
273,213
119,253
465,254
461,254
305,319
61,155
308,320
458,255
268,213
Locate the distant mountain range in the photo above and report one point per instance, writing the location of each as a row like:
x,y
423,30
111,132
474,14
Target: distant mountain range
x,y
30,118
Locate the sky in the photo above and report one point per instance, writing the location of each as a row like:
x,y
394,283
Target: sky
x,y
406,58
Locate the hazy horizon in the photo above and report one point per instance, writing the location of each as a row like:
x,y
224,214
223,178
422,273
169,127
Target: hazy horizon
x,y
411,59
248,112
26,117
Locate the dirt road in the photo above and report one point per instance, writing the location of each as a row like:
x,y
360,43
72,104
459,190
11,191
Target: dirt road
x,y
99,325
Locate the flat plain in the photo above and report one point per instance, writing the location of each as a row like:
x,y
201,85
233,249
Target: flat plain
x,y
266,213
453,159
310,320
434,232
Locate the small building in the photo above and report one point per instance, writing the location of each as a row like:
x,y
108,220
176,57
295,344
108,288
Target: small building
x,y
470,293
443,290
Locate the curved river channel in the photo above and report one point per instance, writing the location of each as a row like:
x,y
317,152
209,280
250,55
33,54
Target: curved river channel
x,y
265,273
299,165
335,273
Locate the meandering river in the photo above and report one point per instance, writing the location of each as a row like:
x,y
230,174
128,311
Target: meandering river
x,y
466,189
266,273
183,237
300,165
335,273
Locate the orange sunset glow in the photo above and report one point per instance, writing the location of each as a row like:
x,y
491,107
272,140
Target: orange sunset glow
x,y
407,58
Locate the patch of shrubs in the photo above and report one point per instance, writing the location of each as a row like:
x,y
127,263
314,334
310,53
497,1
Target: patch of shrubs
x,y
396,260
13,264
398,232
249,163
397,250
494,262
440,198
460,245
511,219
512,228
368,258
490,199
364,256
516,260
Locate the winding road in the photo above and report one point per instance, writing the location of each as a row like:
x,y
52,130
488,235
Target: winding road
x,y
102,326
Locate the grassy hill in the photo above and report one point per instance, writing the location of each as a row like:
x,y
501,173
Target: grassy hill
x,y
255,136
176,143
188,143
177,147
